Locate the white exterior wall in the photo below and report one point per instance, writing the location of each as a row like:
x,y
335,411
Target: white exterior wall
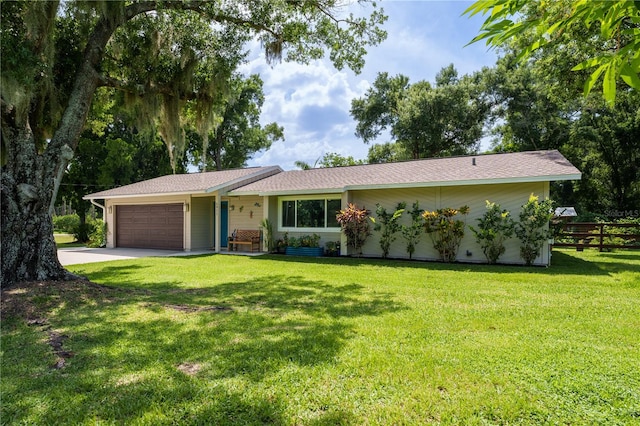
x,y
110,207
389,199
509,196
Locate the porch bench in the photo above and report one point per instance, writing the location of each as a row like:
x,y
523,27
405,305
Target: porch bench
x,y
244,237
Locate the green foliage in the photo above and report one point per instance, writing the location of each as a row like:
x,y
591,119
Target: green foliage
x,y
98,235
533,227
388,225
387,153
605,145
413,232
333,159
494,228
118,156
332,248
304,241
354,223
425,120
528,113
445,231
537,107
236,133
66,223
613,24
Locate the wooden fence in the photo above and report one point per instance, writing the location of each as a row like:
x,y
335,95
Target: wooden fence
x,y
603,236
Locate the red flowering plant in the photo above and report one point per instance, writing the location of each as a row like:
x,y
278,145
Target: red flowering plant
x,y
355,224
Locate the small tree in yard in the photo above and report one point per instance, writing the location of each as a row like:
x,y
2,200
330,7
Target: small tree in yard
x,y
445,231
413,232
387,224
494,227
355,225
532,230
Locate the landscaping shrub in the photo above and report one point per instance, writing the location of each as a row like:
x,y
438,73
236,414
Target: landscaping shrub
x,y
66,223
304,241
387,224
98,234
446,232
532,230
413,232
494,228
332,248
354,222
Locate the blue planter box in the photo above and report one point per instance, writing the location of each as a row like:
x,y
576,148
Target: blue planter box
x,y
304,251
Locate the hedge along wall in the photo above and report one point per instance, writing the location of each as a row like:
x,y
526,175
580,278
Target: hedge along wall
x,y
510,197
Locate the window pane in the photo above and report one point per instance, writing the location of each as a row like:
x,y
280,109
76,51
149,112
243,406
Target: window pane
x,y
310,213
333,208
288,213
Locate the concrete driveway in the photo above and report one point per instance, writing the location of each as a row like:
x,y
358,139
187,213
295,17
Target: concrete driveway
x,y
77,255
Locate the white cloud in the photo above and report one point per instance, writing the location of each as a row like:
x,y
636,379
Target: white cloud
x,y
312,102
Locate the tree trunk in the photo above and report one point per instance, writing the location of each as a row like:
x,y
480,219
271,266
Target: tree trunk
x,y
31,177
28,249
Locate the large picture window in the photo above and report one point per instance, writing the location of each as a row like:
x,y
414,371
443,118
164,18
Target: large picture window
x,y
317,213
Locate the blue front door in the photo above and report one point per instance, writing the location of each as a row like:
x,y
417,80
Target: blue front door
x,y
224,223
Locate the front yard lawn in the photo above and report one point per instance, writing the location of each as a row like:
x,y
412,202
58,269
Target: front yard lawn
x,y
280,340
66,241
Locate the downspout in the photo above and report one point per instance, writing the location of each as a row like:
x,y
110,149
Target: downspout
x,y
104,210
104,219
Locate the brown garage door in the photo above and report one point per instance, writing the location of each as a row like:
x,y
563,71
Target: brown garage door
x,y
158,226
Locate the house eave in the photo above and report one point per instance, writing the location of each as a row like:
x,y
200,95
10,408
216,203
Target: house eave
x,y
468,182
153,195
220,189
289,192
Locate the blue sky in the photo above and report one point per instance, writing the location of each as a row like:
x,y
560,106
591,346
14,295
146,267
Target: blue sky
x,y
312,102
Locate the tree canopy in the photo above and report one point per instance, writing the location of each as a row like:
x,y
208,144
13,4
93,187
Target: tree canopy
x,y
425,120
238,133
613,26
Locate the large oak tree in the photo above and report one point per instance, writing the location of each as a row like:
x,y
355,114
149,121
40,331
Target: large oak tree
x,y
160,58
424,120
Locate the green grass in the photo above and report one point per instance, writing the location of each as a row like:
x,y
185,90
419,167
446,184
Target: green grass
x,y
66,241
281,340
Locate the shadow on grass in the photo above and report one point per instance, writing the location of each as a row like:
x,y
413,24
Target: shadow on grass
x,y
562,264
626,255
129,344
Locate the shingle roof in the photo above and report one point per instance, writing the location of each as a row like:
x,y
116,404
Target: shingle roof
x,y
531,166
189,183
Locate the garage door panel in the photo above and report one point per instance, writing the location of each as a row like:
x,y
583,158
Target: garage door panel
x,y
150,226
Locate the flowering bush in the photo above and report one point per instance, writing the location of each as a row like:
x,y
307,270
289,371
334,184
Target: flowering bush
x,y
446,232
